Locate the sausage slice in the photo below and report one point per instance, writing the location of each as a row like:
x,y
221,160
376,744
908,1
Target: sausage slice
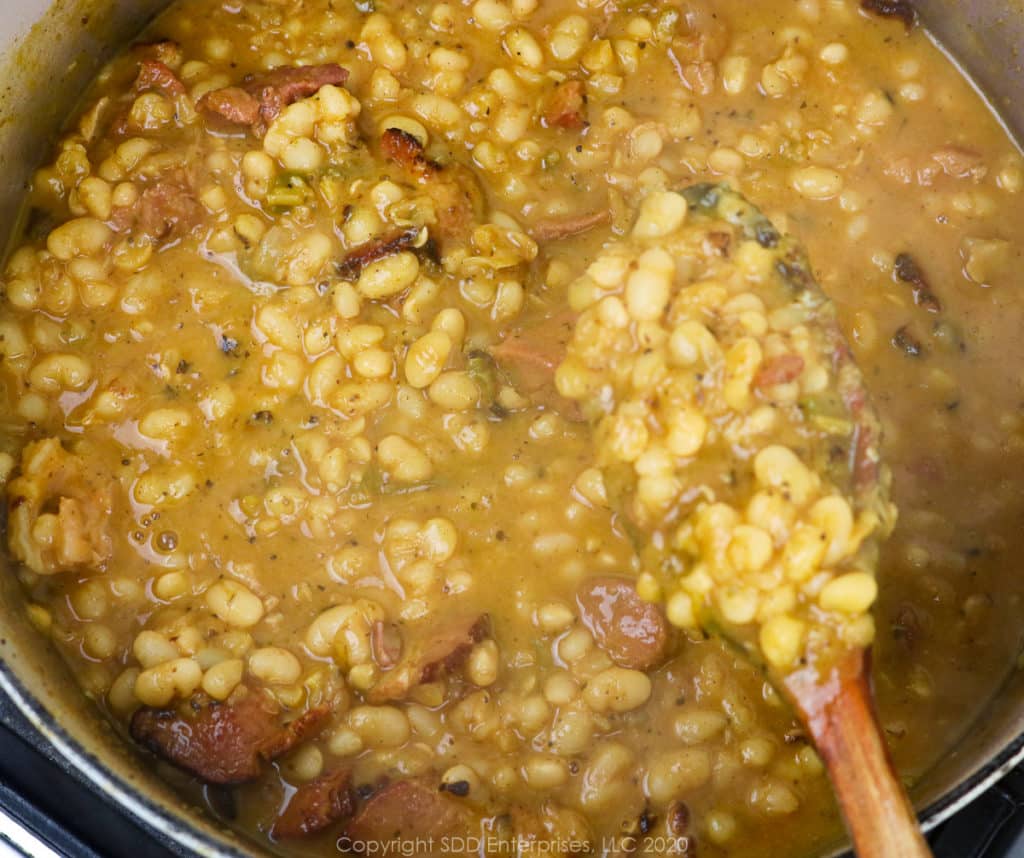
x,y
404,149
223,743
633,632
377,248
316,805
260,98
407,811
156,75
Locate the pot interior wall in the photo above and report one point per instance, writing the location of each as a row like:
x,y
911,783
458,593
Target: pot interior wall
x,y
43,75
986,38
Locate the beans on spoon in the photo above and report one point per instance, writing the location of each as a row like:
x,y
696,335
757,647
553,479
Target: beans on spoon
x,y
739,446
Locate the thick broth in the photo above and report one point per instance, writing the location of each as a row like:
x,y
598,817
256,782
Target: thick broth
x,y
236,404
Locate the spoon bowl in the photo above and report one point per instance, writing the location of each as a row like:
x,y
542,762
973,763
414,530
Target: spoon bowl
x,y
740,448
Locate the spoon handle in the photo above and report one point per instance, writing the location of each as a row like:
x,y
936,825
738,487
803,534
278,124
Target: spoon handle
x,y
840,715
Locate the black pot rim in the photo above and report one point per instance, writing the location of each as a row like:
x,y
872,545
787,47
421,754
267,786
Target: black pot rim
x,y
161,820
152,816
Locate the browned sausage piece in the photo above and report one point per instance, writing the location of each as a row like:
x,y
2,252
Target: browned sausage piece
x,y
232,104
633,632
288,84
566,106
292,733
153,74
316,805
223,743
440,651
276,89
404,149
407,811
454,191
166,51
388,245
260,98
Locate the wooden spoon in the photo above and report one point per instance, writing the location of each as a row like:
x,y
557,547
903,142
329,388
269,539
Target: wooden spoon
x,y
739,446
839,714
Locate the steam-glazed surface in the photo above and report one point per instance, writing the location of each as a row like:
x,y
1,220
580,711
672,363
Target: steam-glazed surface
x,y
294,490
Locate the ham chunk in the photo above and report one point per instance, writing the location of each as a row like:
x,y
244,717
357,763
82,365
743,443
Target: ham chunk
x,y
223,743
167,209
407,811
77,498
530,356
316,806
442,649
566,108
260,98
960,163
556,230
457,202
780,369
633,632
